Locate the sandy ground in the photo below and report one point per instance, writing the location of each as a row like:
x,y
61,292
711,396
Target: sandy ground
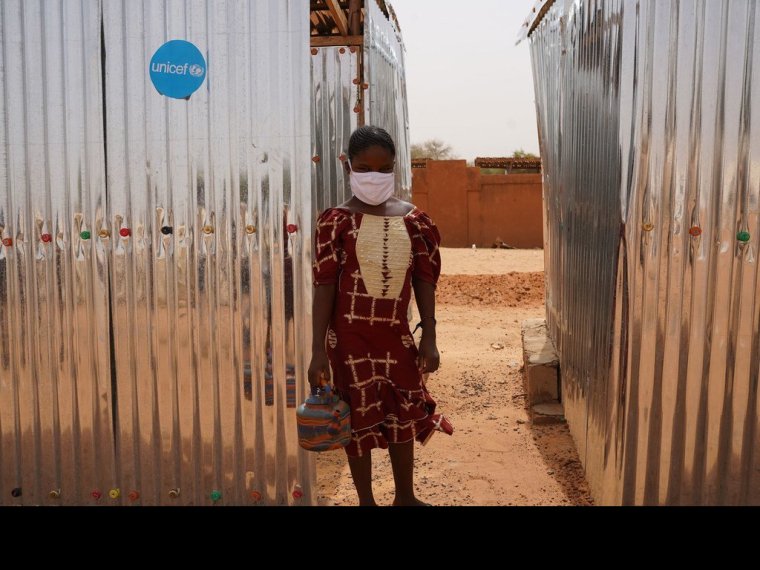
x,y
495,457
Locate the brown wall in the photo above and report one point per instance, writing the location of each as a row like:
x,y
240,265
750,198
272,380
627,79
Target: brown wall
x,y
470,208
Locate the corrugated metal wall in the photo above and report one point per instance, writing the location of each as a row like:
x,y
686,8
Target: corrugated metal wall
x,y
386,103
153,279
343,100
55,369
336,93
652,178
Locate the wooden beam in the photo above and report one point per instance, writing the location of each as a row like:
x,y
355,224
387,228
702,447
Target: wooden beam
x,y
329,41
355,17
339,16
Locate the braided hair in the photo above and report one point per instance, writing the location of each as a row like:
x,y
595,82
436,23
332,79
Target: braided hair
x,y
369,136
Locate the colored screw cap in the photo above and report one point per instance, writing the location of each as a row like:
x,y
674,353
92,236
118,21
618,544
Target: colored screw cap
x,y
648,227
208,230
134,495
125,232
696,231
104,234
297,493
256,496
46,238
167,230
250,230
357,109
114,493
174,493
342,50
356,81
7,242
16,493
292,228
316,159
85,235
216,496
743,237
314,51
96,495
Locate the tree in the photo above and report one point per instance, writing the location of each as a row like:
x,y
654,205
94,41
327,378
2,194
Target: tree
x,y
434,149
522,155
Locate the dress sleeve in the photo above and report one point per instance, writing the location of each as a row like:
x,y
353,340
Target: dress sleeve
x,y
328,244
426,243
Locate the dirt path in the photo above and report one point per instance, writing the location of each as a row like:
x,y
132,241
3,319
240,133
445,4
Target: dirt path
x,y
496,457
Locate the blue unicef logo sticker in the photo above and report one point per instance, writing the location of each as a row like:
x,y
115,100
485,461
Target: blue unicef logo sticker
x,y
178,69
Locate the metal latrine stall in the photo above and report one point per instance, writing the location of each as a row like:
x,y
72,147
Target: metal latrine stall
x,y
358,78
649,119
156,214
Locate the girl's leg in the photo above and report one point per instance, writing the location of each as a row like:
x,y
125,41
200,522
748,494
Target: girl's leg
x,y
402,461
361,471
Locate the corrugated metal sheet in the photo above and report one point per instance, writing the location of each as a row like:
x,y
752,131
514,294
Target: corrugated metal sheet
x,y
152,300
352,86
336,95
651,160
55,369
386,103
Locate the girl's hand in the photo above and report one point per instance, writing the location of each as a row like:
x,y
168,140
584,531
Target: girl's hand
x,y
428,360
319,370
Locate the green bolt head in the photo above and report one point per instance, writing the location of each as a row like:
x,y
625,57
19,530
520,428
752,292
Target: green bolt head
x,y
85,235
743,237
216,496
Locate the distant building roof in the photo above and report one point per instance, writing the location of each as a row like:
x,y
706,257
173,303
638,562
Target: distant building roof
x,y
509,164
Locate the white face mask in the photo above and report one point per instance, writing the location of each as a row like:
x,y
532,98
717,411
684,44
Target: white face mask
x,y
372,188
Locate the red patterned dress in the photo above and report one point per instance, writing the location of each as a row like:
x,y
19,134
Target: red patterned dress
x,y
372,260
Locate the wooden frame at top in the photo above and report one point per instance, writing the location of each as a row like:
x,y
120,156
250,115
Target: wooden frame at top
x,y
341,22
345,19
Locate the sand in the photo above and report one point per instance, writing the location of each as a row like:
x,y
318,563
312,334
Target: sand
x,y
495,457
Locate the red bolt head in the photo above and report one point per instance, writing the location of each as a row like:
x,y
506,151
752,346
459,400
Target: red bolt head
x,y
46,238
256,496
297,494
7,242
292,228
357,109
314,51
134,495
125,232
316,159
96,495
357,81
696,231
343,157
342,50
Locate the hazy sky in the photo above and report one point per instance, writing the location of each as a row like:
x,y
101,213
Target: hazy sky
x,y
467,83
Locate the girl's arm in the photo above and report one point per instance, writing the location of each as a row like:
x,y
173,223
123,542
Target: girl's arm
x,y
429,359
322,309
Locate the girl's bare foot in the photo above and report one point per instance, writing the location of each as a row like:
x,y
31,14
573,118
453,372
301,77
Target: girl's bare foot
x,y
413,502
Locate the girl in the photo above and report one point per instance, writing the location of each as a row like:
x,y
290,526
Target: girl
x,y
370,253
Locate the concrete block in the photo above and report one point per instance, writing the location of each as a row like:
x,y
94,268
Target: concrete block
x,y
541,363
548,413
